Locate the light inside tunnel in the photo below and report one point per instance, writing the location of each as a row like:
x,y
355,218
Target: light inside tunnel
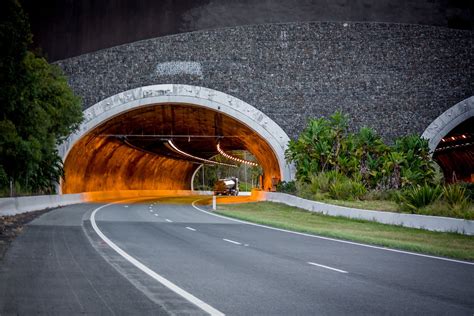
x,y
240,160
208,161
455,153
131,151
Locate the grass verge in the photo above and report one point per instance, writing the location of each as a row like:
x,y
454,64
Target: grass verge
x,y
287,217
377,205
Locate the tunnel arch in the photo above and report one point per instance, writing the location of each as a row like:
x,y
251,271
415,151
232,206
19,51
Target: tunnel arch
x,y
444,123
451,141
175,95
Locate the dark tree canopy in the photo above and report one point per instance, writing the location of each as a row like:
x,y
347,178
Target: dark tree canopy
x,y
37,108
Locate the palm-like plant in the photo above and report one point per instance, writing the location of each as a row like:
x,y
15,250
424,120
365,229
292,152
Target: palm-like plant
x,y
325,146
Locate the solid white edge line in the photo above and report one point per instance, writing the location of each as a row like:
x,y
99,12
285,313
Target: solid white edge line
x,y
332,239
231,241
326,267
190,228
173,287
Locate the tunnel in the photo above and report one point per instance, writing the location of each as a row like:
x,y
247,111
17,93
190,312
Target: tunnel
x,y
455,153
451,141
158,147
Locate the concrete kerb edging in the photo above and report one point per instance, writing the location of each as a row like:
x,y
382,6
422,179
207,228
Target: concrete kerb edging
x,y
432,223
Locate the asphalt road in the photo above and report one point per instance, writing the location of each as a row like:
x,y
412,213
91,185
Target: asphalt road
x,y
61,265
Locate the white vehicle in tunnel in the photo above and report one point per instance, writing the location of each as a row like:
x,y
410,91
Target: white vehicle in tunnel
x,y
227,186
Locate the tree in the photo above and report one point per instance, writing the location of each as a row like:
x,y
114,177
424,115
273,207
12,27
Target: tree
x,y
38,109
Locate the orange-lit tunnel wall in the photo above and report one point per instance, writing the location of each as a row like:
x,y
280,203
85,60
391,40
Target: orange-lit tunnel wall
x,y
100,161
107,165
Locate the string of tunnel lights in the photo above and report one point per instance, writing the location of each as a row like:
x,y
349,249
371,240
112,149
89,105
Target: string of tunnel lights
x,y
454,138
173,146
453,146
247,162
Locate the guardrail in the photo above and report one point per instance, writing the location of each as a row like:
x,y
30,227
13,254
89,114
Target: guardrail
x,y
433,223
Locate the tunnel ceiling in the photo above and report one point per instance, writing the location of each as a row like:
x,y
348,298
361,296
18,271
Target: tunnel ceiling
x,y
131,150
455,153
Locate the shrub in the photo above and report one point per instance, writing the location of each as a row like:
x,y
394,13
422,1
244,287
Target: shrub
x,y
455,196
347,190
413,198
469,190
322,182
442,208
379,195
286,187
303,190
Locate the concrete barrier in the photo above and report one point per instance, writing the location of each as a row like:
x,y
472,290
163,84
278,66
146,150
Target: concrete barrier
x,y
433,223
18,205
12,206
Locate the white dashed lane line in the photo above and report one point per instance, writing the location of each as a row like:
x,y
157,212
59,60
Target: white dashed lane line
x,y
156,214
232,242
188,296
326,267
190,228
168,220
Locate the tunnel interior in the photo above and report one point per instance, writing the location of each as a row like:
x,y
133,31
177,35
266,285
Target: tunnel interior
x,y
455,153
158,147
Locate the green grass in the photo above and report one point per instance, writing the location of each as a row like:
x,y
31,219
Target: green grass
x,y
378,205
282,216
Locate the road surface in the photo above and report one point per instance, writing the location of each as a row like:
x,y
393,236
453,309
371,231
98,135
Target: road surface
x,y
168,258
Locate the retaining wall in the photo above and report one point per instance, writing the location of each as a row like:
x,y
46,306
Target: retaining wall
x,y
396,78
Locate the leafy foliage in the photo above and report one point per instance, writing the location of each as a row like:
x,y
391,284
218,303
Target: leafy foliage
x,y
322,181
469,187
347,190
286,187
417,197
455,195
38,109
326,145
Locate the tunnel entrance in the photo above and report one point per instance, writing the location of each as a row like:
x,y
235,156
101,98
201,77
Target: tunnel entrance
x,y
455,153
451,140
155,138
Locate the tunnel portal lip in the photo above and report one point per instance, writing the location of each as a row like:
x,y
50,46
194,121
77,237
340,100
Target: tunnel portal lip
x,y
447,121
153,95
